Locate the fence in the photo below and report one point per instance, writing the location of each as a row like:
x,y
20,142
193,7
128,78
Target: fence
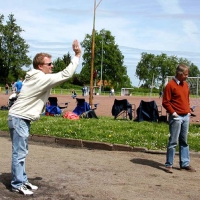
x,y
79,92
193,83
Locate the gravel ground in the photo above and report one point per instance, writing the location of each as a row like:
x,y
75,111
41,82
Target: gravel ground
x,y
82,174
86,174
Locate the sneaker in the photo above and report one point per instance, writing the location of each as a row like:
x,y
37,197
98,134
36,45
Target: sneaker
x,y
31,186
23,190
188,168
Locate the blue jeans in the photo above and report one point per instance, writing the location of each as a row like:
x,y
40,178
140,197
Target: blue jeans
x,y
178,128
19,132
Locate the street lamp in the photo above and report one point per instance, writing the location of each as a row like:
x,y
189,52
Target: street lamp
x,y
101,60
197,88
1,45
152,85
1,39
92,57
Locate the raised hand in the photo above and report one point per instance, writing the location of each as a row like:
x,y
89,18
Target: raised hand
x,y
76,48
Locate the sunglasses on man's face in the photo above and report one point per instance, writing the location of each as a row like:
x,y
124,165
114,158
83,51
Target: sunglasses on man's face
x,y
49,64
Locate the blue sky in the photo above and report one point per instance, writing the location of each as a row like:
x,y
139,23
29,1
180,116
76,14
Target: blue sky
x,y
156,26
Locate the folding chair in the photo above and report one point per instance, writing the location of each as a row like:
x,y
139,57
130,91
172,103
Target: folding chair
x,y
52,107
83,109
123,108
162,118
147,111
159,110
53,101
12,99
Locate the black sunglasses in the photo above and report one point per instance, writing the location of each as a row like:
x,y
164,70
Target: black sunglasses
x,y
49,64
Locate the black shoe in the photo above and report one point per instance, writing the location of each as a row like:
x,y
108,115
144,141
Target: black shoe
x,y
188,168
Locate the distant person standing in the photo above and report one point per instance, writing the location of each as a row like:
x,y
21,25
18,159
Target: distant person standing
x,y
112,92
6,88
18,86
160,94
83,91
176,102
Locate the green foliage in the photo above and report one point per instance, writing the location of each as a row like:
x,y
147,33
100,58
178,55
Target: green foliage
x,y
144,90
155,68
68,85
105,129
60,64
194,71
67,59
13,49
107,55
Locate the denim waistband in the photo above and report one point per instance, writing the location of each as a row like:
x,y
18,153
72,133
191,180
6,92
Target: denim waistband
x,y
14,116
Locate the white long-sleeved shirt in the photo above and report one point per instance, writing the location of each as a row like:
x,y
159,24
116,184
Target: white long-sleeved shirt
x,y
36,90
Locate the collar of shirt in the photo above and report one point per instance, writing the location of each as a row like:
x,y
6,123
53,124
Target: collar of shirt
x,y
177,81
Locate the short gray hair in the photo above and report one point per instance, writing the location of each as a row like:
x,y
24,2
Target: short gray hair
x,y
181,68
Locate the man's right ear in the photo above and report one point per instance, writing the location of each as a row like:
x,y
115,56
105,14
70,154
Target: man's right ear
x,y
39,67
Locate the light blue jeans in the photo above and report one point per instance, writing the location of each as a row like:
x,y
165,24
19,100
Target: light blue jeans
x,y
19,132
178,128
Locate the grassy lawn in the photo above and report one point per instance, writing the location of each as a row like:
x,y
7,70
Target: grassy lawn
x,y
153,136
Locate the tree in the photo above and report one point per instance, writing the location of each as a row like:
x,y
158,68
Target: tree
x,y
13,48
60,64
193,69
2,67
145,69
67,58
113,70
165,67
159,67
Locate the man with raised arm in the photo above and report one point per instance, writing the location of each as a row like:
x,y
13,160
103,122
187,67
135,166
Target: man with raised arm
x,y
30,104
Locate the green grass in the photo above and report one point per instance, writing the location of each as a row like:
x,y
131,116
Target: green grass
x,y
153,136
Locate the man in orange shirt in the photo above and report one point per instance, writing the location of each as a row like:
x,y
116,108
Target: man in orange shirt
x,y
176,102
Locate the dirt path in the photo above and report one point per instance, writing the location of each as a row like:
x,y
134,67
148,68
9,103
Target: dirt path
x,y
81,174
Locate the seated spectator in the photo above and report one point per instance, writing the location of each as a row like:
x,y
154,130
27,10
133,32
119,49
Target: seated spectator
x,y
73,94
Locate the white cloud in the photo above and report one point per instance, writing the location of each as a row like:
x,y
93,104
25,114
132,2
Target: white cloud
x,y
168,26
171,6
191,29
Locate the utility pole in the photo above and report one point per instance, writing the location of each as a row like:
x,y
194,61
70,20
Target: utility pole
x,y
152,86
92,56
